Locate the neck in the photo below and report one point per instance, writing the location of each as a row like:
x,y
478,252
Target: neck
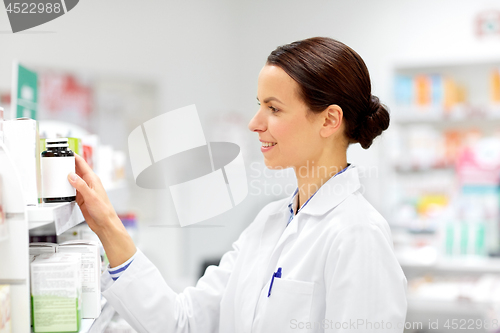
x,y
312,175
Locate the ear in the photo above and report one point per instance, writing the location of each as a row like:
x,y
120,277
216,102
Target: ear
x,y
332,119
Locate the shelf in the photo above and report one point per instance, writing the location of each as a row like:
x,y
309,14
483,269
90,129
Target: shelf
x,y
472,265
436,62
430,116
420,169
13,281
63,215
99,324
458,306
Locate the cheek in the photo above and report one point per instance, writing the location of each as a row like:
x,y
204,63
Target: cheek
x,y
283,132
291,136
280,132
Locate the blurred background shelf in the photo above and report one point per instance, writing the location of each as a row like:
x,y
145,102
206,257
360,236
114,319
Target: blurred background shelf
x,y
464,306
409,169
471,265
444,157
438,116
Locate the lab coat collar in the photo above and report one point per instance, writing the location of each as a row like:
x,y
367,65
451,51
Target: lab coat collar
x,y
333,192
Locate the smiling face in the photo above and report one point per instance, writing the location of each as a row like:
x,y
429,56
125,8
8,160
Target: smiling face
x,y
283,119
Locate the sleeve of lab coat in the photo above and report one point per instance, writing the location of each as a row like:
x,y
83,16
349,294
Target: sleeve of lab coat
x,y
144,299
365,285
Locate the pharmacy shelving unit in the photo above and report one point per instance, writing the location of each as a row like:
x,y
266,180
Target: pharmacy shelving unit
x,y
478,113
14,250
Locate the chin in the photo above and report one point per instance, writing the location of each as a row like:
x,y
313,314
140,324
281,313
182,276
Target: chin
x,y
274,166
270,165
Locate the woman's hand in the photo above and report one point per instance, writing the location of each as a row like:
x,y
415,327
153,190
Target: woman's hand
x,y
91,196
100,214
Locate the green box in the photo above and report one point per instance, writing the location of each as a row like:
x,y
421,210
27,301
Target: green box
x,y
56,292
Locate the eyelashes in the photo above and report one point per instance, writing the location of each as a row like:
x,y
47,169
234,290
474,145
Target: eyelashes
x,y
272,108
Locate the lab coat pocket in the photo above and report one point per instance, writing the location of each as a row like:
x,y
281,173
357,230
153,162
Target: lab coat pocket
x,y
288,306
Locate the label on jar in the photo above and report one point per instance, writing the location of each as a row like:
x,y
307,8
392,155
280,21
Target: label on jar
x,y
55,183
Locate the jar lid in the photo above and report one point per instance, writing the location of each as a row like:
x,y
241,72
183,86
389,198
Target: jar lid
x,y
55,145
56,140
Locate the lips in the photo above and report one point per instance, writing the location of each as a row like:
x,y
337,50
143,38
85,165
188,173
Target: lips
x,y
267,146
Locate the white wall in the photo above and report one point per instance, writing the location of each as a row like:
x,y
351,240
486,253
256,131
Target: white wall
x,y
210,52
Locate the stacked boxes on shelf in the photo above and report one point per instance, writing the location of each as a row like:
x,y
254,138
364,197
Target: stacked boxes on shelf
x,y
65,284
56,289
476,231
461,205
495,86
91,273
25,145
433,95
425,147
51,282
447,156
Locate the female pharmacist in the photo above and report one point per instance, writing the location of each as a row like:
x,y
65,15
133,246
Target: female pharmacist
x,y
320,260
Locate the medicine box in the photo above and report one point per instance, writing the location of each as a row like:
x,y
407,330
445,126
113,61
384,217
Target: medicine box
x,y
32,257
36,249
21,139
41,247
56,289
91,271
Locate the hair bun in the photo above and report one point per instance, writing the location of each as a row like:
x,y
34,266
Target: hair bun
x,y
374,106
376,121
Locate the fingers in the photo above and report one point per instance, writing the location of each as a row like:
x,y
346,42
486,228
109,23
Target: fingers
x,y
80,185
79,199
82,168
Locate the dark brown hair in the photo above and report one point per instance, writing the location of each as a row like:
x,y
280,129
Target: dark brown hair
x,y
330,72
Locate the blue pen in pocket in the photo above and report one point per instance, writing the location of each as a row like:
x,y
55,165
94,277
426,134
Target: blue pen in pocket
x,y
278,275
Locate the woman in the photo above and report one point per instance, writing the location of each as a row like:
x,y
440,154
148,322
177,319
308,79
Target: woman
x,y
326,266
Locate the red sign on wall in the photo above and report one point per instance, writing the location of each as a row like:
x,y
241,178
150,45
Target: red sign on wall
x,y
64,94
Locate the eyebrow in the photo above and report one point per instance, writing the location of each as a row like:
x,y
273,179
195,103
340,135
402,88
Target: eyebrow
x,y
267,100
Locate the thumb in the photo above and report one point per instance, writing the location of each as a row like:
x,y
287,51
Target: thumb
x,y
79,184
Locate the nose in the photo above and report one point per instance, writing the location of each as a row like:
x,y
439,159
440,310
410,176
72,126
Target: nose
x,y
258,122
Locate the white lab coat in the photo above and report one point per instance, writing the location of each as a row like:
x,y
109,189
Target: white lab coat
x,y
339,274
